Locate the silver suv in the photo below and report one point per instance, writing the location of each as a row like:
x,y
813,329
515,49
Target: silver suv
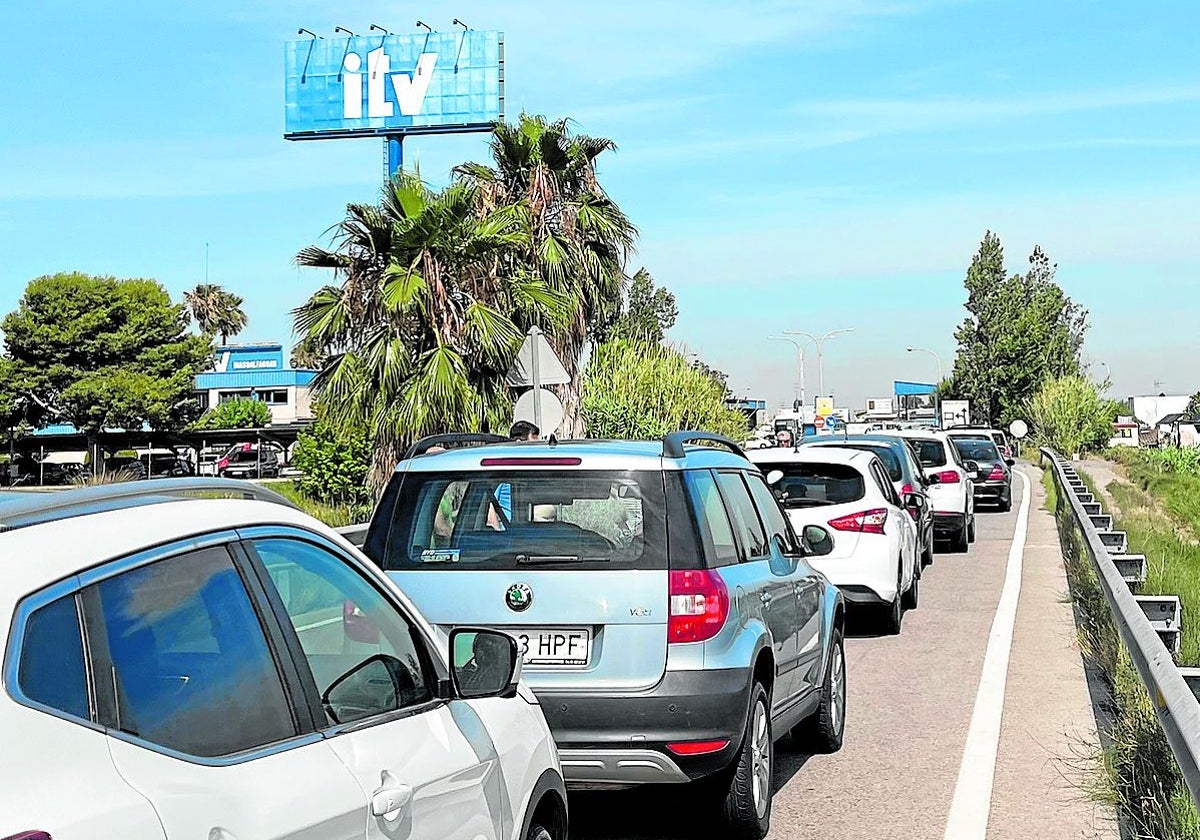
x,y
670,624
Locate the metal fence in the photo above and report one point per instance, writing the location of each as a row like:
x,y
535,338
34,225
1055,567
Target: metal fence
x,y
1149,625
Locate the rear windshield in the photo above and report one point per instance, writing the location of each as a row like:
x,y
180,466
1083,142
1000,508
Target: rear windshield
x,y
510,519
999,439
886,454
930,452
814,485
976,450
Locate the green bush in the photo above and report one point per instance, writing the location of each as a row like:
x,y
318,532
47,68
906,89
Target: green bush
x,y
237,414
1068,414
334,462
641,391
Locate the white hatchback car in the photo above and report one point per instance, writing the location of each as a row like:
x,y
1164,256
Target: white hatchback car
x,y
874,558
951,490
179,667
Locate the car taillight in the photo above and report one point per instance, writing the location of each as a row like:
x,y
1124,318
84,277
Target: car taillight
x,y
29,835
905,490
697,747
948,477
699,605
997,474
866,522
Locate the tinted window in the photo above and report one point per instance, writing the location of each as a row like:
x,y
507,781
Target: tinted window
x,y
772,516
976,450
816,484
191,666
712,517
52,670
741,510
496,520
931,452
364,655
885,453
885,484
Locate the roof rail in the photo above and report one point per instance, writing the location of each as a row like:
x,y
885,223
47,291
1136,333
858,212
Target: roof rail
x,y
455,440
38,508
673,444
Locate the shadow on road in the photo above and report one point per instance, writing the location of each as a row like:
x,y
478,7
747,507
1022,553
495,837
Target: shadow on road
x,y
668,812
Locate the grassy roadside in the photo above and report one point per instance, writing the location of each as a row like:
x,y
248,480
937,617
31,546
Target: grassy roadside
x,y
1139,777
334,516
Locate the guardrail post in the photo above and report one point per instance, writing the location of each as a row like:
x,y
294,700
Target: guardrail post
x,y
1102,521
1132,568
1115,541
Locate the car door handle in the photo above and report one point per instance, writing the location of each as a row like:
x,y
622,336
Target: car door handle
x,y
766,598
390,799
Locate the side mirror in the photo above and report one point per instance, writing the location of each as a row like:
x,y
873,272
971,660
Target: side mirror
x,y
816,541
971,466
484,663
914,500
357,626
1010,461
932,479
774,477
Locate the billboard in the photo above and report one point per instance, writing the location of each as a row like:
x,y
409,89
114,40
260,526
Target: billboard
x,y
365,86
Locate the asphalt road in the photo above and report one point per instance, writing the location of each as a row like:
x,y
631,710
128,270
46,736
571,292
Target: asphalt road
x,y
910,705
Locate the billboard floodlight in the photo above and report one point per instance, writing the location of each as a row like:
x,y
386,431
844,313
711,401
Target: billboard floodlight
x,y
457,22
376,28
426,25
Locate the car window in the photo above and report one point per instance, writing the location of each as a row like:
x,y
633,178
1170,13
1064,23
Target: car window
x,y
815,484
976,450
713,519
366,658
501,519
190,663
741,509
886,455
51,669
768,508
884,483
931,452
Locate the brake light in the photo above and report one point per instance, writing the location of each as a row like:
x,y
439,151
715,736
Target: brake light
x,y
697,747
223,463
948,477
699,605
530,462
905,490
996,474
865,522
29,835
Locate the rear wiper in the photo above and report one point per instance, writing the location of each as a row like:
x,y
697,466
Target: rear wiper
x,y
547,559
799,503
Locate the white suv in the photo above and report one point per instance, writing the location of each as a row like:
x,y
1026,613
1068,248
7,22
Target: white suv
x,y
180,667
874,559
951,490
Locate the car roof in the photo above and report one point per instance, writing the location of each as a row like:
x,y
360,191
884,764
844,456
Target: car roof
x,y
879,439
811,455
591,455
931,434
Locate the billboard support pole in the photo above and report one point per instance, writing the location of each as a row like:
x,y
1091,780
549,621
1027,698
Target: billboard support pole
x,y
393,155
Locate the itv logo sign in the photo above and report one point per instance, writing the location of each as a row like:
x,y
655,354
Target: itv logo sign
x,y
408,89
369,86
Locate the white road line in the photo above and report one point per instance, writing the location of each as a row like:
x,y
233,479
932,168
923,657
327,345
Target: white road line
x,y
972,802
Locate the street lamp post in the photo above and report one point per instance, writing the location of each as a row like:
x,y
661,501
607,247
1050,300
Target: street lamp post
x,y
820,342
941,377
799,362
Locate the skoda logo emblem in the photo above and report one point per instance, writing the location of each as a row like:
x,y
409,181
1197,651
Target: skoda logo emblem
x,y
518,597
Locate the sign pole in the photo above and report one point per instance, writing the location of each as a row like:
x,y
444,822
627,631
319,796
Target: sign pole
x,y
535,371
393,155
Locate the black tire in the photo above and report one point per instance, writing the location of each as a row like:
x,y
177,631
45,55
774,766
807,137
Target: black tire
x,y
538,832
893,613
971,529
960,540
913,595
746,786
823,731
1006,503
927,554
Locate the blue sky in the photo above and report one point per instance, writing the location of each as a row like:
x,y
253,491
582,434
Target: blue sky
x,y
791,165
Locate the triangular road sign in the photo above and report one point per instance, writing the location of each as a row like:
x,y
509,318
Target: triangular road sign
x,y
550,370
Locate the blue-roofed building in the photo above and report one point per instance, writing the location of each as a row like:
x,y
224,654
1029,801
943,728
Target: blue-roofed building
x,y
258,372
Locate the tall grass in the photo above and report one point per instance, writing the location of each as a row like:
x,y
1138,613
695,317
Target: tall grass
x,y
333,515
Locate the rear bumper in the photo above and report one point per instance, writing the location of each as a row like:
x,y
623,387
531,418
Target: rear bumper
x,y
948,523
992,490
620,738
865,577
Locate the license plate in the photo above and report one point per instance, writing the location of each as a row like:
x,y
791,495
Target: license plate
x,y
562,647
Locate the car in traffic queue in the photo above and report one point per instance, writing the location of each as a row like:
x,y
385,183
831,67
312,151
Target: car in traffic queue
x,y
993,479
232,668
874,560
670,618
951,485
997,436
900,461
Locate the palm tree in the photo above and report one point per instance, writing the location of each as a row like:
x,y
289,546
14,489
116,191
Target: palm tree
x,y
427,319
576,238
217,311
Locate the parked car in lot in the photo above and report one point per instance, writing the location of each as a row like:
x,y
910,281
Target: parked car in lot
x,y
231,668
900,461
668,614
875,560
951,486
249,460
993,479
150,463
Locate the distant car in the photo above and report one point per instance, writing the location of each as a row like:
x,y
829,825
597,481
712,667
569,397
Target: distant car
x,y
874,559
900,461
151,463
245,460
951,488
193,664
997,436
993,479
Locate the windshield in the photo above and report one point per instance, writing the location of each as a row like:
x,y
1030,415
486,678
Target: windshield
x,y
497,520
930,452
814,485
976,450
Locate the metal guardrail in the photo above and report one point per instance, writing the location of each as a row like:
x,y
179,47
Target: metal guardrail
x,y
1174,701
